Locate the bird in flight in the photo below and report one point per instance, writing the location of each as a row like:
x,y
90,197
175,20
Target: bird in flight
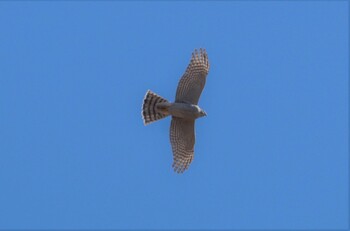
x,y
184,111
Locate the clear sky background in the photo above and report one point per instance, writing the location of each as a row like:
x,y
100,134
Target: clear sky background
x,y
271,154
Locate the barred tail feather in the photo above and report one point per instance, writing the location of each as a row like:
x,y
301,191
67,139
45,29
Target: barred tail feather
x,y
150,111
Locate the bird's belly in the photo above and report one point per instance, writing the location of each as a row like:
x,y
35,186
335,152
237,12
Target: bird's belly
x,y
184,111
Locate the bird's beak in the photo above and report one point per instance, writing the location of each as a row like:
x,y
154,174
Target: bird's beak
x,y
205,114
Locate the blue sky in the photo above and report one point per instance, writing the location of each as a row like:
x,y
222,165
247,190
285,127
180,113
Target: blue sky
x,y
271,154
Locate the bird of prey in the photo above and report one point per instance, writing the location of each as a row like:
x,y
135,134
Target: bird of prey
x,y
184,111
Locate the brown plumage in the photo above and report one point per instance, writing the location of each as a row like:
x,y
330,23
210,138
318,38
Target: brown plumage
x,y
184,110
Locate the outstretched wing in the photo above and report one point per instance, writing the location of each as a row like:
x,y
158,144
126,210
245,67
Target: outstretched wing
x,y
192,82
182,139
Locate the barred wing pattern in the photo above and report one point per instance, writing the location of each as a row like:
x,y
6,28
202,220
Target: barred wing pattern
x,y
192,82
182,139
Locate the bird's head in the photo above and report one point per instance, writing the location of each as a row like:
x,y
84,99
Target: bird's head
x,y
202,113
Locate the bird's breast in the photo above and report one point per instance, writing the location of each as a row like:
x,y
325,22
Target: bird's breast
x,y
184,111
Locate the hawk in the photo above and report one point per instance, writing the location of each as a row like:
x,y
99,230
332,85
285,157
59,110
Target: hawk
x,y
184,111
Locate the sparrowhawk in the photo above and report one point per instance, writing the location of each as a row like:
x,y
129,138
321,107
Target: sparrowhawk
x,y
184,110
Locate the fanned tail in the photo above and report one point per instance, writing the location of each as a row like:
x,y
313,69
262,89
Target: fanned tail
x,y
154,107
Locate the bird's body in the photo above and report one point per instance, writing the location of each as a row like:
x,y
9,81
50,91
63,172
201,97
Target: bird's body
x,y
184,110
